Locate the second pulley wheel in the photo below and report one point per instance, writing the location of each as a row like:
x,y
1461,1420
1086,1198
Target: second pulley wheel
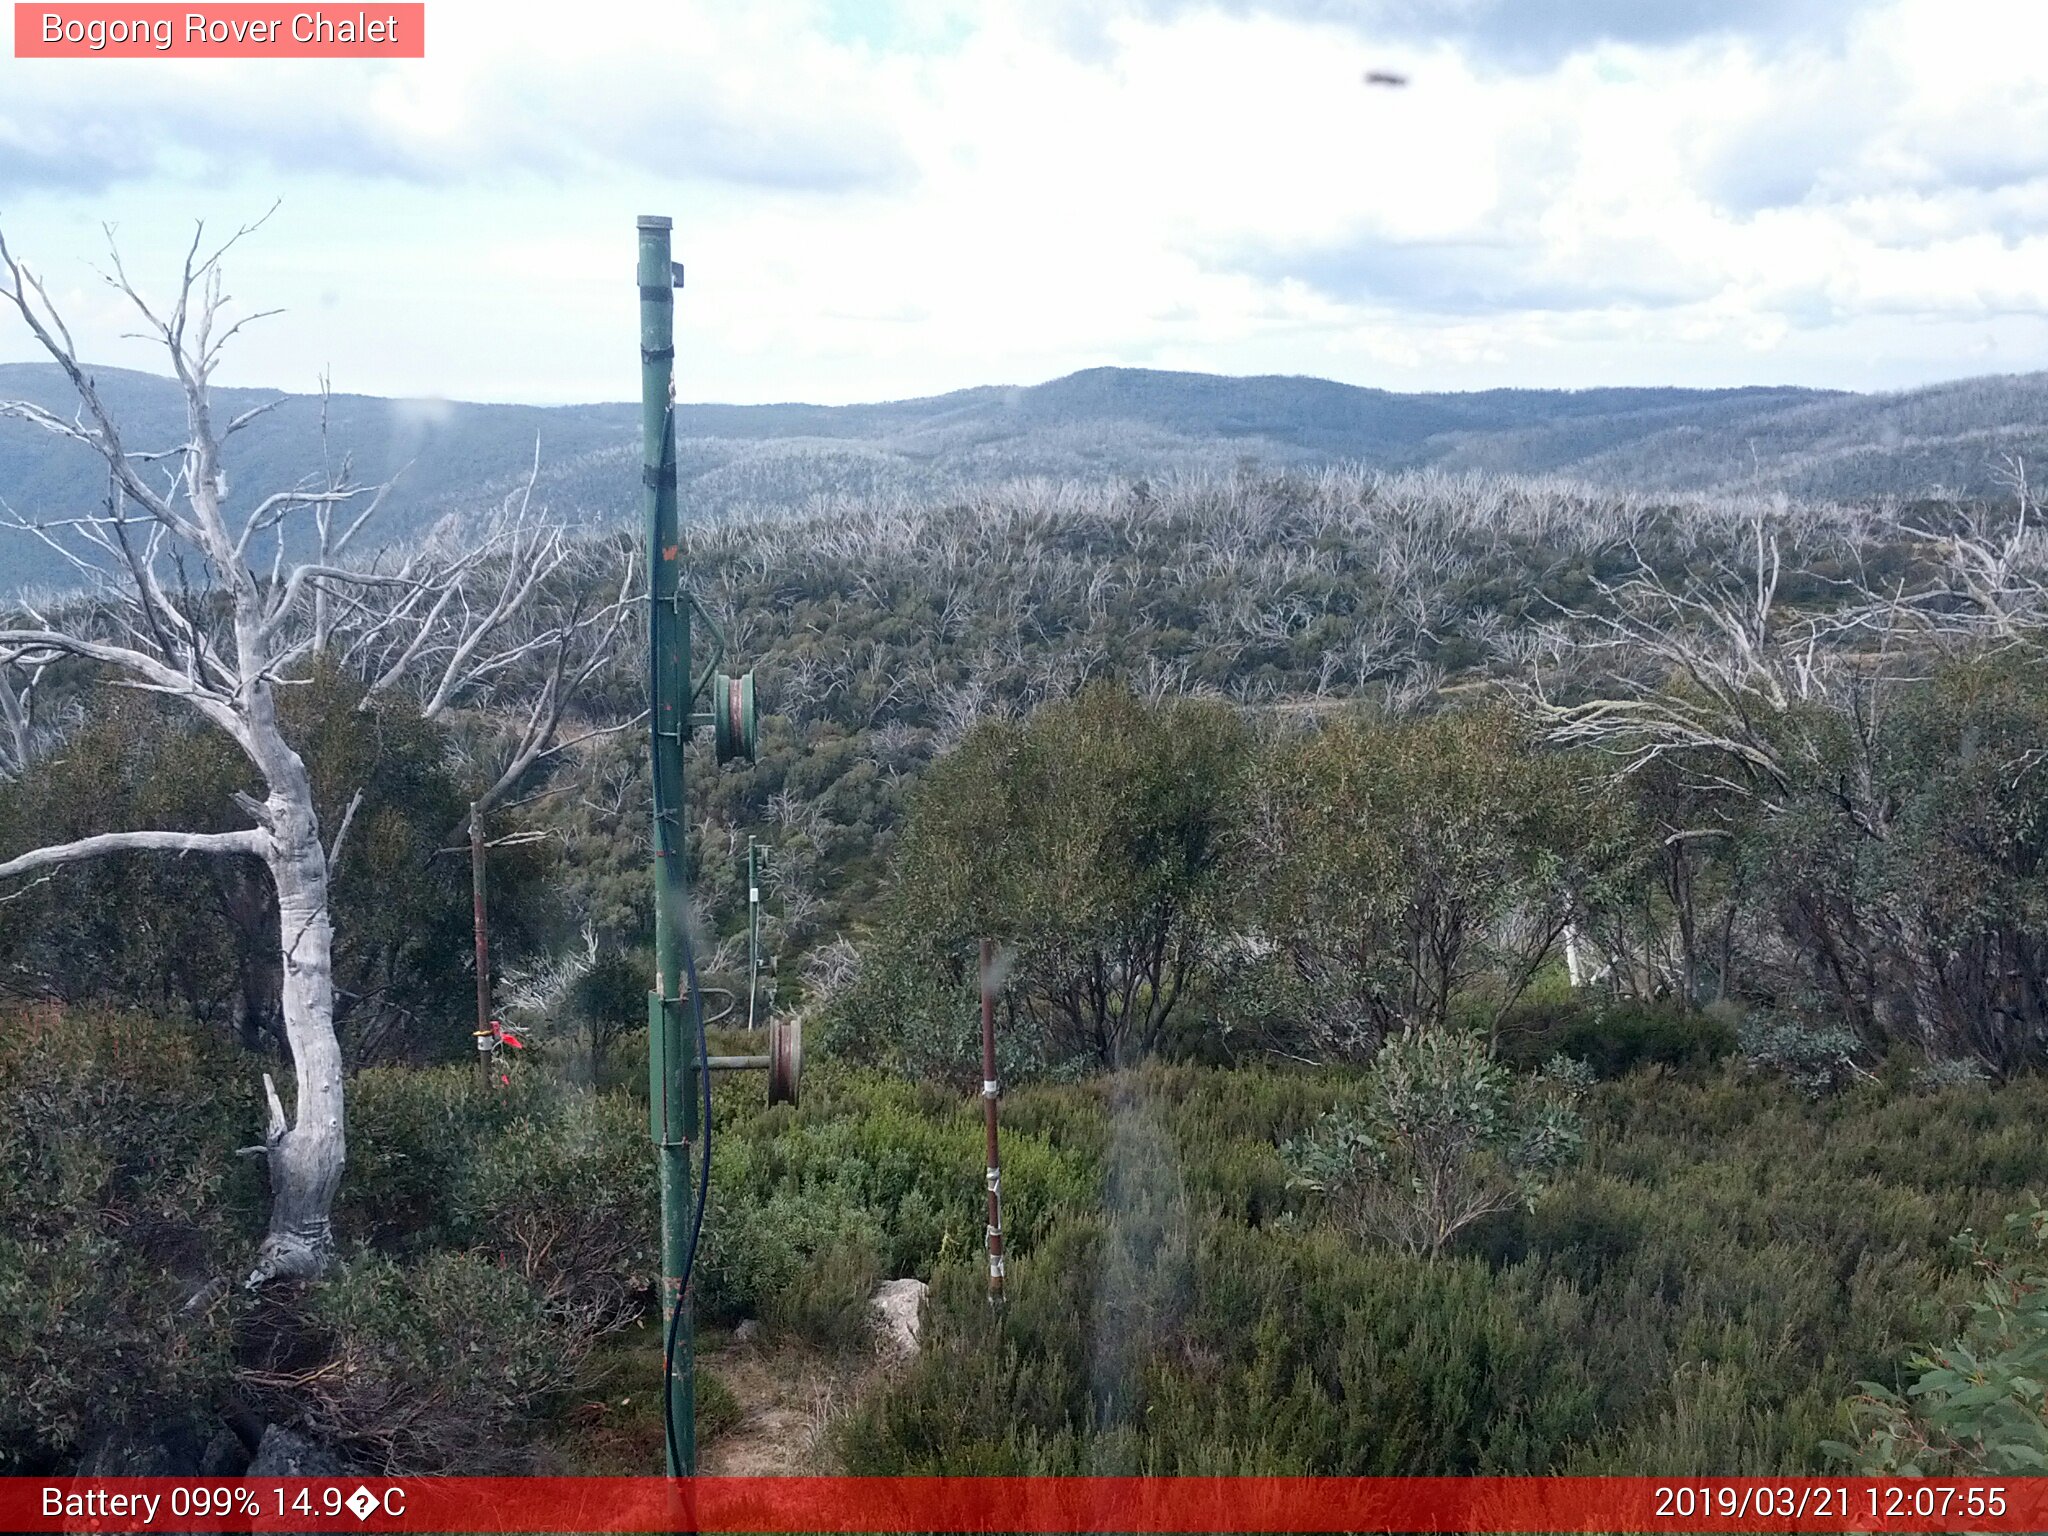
x,y
785,1059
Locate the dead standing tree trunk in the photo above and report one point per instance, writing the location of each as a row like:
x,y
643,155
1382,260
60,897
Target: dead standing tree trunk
x,y
225,650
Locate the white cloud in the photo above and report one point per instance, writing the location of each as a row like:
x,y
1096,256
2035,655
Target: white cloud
x,y
741,94
880,201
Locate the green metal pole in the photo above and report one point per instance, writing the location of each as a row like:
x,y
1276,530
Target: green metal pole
x,y
671,1053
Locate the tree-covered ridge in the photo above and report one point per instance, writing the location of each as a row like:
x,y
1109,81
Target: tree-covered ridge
x,y
884,633
1103,422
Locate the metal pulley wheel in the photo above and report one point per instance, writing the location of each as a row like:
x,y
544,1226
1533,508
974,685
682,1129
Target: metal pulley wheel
x,y
735,729
785,1059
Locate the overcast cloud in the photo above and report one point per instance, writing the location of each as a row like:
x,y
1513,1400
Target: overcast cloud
x,y
1534,34
879,200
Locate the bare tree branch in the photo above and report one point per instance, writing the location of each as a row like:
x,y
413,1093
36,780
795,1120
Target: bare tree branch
x,y
249,842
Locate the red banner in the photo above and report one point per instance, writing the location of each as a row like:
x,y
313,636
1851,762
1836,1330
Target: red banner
x,y
220,31
1023,1504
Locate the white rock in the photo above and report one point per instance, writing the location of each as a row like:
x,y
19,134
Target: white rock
x,y
899,1308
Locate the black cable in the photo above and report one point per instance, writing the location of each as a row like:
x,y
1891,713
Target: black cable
x,y
675,1318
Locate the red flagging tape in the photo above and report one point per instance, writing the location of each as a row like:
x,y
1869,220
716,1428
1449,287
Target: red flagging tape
x,y
1023,1504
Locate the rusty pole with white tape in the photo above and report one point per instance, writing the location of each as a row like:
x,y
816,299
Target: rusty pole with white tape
x,y
991,1090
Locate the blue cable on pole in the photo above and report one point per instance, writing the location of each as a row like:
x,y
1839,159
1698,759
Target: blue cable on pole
x,y
675,1317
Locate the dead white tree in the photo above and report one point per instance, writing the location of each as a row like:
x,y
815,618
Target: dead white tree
x,y
1761,706
1994,583
22,734
1703,670
238,620
507,624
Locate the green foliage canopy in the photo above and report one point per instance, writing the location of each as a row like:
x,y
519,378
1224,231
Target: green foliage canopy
x,y
1399,866
1093,840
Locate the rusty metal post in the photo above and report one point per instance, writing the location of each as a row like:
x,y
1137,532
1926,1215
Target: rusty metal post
x,y
484,1041
991,1090
753,935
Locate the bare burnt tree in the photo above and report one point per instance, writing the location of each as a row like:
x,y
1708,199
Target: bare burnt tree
x,y
24,734
211,607
1993,582
1738,708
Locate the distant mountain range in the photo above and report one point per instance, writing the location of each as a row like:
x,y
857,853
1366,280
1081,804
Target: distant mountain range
x,y
1103,422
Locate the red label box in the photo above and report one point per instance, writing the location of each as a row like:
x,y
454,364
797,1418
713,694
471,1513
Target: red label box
x,y
237,30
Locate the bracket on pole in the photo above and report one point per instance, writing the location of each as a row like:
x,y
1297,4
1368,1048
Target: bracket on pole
x,y
671,1106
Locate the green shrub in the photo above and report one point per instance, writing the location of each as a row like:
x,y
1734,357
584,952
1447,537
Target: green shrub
x,y
1615,1035
93,1338
1696,1293
1976,1409
568,1198
756,1248
412,1131
1815,1055
1443,1137
872,1178
830,1301
451,1364
119,1197
1288,1352
717,1409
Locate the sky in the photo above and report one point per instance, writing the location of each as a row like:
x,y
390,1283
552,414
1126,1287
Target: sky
x,y
899,198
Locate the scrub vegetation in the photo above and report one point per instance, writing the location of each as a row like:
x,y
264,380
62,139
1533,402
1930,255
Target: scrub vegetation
x,y
1494,977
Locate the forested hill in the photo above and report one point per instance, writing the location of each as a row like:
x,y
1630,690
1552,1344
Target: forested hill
x,y
1102,422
